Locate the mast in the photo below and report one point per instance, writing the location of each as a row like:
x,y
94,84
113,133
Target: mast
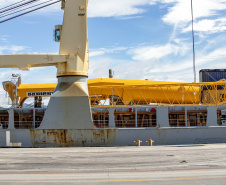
x,y
193,39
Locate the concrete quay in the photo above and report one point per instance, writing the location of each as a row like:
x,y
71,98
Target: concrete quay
x,y
187,164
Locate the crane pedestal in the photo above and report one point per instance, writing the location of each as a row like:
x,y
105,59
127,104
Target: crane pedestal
x,y
69,106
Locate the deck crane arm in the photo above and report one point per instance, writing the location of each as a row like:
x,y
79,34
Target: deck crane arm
x,y
24,62
72,57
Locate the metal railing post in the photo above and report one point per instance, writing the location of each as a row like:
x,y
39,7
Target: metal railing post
x,y
34,118
136,117
186,116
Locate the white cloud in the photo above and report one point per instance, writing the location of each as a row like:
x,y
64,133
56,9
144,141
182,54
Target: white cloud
x,y
3,38
169,62
114,8
208,25
218,54
99,67
154,52
208,18
169,1
171,70
102,51
13,49
181,11
128,17
100,8
96,53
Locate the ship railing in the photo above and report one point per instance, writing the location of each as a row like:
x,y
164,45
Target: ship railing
x,y
221,121
177,123
146,123
196,122
4,124
101,123
134,123
26,124
190,122
125,123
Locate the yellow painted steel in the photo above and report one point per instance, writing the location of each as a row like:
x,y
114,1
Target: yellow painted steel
x,y
139,92
23,89
10,87
73,39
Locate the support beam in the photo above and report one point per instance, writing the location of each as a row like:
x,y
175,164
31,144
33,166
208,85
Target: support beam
x,y
11,119
31,60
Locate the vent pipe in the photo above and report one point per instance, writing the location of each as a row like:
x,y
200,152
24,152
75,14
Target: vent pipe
x,y
110,73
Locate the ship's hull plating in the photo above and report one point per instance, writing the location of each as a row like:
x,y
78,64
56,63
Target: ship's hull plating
x,y
114,137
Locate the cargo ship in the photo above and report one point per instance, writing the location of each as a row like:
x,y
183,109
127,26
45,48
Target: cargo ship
x,y
105,111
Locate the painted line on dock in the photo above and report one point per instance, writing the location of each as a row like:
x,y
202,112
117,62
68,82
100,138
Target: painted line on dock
x,y
103,181
115,172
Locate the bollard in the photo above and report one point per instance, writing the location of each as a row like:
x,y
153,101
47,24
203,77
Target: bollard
x,y
138,142
150,142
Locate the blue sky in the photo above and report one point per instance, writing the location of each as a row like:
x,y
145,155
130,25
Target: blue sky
x,y
138,39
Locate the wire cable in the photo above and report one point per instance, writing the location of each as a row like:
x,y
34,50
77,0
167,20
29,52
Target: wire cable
x,y
14,10
24,9
11,5
29,11
26,3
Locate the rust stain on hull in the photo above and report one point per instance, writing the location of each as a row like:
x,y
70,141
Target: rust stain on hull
x,y
72,137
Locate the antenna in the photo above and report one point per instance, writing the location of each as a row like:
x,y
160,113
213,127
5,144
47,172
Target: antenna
x,y
193,38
